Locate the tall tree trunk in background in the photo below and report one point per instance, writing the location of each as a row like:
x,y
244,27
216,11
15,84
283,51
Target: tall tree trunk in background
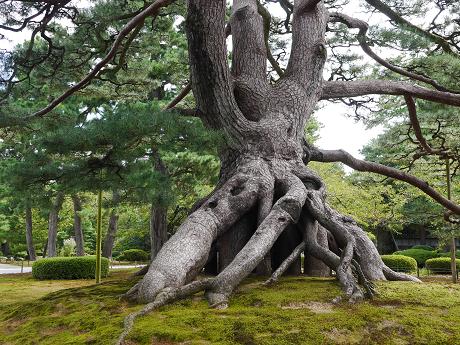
x,y
158,213
112,229
29,237
53,220
78,231
5,248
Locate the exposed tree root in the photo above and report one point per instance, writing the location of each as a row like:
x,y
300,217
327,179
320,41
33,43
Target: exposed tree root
x,y
286,263
285,211
282,197
165,296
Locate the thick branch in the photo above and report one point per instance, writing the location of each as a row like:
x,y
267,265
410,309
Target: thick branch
x,y
209,72
361,165
308,52
249,54
341,89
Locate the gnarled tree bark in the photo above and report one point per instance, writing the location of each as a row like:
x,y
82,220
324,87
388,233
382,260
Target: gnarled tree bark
x,y
266,196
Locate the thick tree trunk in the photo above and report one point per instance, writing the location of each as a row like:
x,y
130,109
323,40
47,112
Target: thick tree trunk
x,y
53,220
77,229
112,228
29,237
263,164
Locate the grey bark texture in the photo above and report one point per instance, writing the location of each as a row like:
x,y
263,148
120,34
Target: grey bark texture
x,y
112,228
77,229
53,220
29,236
158,214
268,204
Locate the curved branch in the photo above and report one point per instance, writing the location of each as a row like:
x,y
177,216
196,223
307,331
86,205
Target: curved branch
x,y
354,23
267,19
412,109
395,17
131,25
344,157
341,89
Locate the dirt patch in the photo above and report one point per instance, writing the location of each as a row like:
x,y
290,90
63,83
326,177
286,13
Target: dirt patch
x,y
315,307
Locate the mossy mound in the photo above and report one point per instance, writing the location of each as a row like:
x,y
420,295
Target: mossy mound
x,y
297,310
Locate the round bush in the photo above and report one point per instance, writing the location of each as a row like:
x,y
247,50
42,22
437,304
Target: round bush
x,y
134,255
422,246
420,255
77,267
440,265
400,263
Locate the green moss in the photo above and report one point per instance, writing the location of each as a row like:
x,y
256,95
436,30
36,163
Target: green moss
x,y
294,311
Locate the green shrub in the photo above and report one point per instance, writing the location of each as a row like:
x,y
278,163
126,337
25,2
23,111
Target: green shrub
x,y
134,255
79,267
447,254
423,246
400,263
440,265
420,255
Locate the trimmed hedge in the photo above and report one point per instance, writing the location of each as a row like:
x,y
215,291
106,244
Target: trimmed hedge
x,y
440,265
76,267
420,255
134,255
400,263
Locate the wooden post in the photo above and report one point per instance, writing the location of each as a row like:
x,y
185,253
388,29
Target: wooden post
x,y
98,237
453,264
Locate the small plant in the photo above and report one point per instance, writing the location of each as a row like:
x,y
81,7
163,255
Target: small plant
x,y
134,255
77,267
68,249
440,265
400,263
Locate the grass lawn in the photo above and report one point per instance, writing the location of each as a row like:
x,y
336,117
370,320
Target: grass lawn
x,y
295,311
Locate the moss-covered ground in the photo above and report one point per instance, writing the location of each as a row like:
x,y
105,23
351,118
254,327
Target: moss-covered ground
x,y
294,311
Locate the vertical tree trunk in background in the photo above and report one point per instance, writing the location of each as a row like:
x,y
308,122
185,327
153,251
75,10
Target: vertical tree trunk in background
x,y
112,228
5,247
53,220
312,266
78,231
29,237
158,213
